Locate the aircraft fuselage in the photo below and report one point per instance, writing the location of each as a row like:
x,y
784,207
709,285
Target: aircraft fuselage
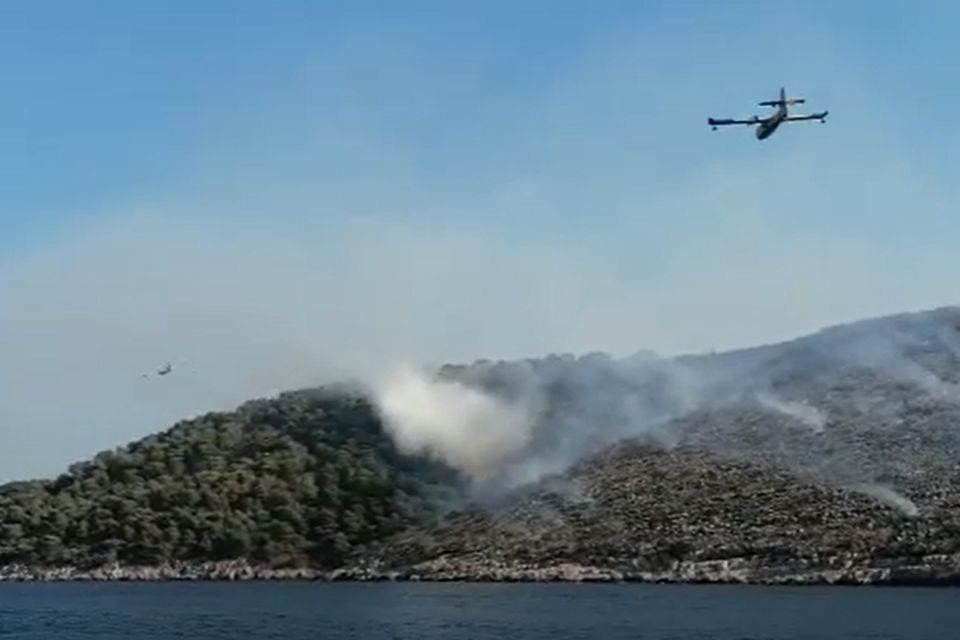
x,y
766,127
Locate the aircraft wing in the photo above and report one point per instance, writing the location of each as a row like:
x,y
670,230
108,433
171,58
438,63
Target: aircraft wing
x,y
719,122
813,116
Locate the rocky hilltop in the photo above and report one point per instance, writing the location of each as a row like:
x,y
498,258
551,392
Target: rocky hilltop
x,y
833,458
872,401
639,512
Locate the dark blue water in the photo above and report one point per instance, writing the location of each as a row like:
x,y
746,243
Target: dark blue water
x,y
550,611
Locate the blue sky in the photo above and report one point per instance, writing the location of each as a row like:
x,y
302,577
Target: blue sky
x,y
281,193
110,103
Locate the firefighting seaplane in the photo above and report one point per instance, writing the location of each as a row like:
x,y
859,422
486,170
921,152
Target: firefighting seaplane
x,y
766,126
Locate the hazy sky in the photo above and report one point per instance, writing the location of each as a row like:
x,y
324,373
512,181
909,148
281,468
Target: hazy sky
x,y
278,194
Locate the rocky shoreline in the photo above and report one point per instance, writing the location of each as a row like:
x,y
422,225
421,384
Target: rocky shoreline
x,y
941,570
938,570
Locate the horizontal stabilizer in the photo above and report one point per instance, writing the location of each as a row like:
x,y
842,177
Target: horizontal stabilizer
x,y
777,103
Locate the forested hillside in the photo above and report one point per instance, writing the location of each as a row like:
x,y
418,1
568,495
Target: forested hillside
x,y
828,458
305,479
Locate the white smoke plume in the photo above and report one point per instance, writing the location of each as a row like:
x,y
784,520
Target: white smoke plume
x,y
507,424
801,411
511,423
889,497
465,427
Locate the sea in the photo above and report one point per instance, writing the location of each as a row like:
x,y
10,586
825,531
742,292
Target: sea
x,y
301,611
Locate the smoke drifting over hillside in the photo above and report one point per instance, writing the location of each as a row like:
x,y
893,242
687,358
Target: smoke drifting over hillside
x,y
473,431
888,496
810,404
805,413
508,423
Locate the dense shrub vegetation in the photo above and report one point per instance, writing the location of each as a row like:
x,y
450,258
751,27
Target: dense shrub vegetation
x,y
305,479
